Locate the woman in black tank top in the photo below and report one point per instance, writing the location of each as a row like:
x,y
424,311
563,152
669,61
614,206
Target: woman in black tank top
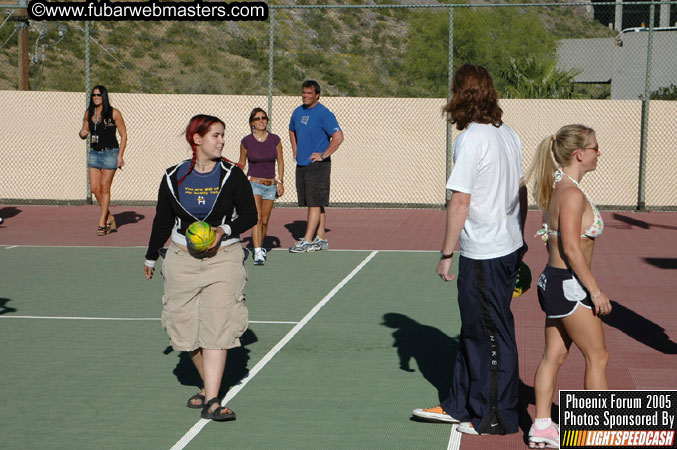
x,y
105,155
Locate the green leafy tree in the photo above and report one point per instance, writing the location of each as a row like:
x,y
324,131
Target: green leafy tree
x,y
424,65
483,36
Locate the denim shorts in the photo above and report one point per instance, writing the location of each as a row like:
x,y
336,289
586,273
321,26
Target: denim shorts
x,y
104,159
266,192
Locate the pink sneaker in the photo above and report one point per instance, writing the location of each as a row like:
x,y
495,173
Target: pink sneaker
x,y
548,438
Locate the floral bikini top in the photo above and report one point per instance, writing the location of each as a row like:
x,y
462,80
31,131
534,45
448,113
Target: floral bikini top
x,y
593,231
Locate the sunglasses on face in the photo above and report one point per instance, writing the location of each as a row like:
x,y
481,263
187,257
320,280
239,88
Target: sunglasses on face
x,y
256,119
96,95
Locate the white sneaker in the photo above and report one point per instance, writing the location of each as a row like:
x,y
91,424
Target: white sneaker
x,y
258,258
264,253
303,246
320,244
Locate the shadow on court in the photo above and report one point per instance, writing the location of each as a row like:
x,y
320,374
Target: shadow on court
x,y
662,263
9,211
640,328
297,229
236,365
632,222
127,218
268,242
4,309
433,351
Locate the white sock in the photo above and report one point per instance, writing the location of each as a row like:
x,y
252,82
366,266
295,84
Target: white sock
x,y
257,250
542,424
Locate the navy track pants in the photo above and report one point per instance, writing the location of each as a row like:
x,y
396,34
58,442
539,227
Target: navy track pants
x,y
485,387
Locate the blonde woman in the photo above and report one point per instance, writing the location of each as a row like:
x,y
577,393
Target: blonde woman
x,y
568,292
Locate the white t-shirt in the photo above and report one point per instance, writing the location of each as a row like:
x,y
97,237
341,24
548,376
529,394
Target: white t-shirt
x,y
488,166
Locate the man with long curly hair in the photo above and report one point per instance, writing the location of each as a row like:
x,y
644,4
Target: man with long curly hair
x,y
486,214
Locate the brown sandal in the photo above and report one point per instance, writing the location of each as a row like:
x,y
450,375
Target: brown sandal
x,y
101,231
112,226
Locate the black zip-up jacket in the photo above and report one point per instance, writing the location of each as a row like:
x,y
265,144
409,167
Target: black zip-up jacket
x,y
234,207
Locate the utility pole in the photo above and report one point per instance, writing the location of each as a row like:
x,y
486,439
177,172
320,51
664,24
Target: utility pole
x,y
22,25
619,16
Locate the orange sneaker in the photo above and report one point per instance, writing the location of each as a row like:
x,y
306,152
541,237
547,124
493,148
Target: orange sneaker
x,y
467,428
434,414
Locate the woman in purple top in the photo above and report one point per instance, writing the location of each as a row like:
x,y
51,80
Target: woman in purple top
x,y
261,149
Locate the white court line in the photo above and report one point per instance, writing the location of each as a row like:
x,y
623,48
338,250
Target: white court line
x,y
126,319
244,248
76,246
454,438
190,434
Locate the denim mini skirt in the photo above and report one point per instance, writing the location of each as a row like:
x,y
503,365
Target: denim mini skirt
x,y
103,159
266,192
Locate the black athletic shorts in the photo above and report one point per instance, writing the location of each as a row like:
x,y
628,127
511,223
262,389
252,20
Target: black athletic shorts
x,y
560,293
312,183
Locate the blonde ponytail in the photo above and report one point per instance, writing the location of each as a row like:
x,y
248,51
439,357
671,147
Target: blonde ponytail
x,y
553,152
541,171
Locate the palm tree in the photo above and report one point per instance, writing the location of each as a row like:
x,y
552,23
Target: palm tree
x,y
537,78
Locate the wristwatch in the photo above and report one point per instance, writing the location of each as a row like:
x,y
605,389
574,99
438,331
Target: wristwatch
x,y
443,256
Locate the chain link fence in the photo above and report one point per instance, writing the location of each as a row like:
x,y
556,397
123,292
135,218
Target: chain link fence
x,y
384,70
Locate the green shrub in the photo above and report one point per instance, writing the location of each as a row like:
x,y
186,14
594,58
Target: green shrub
x,y
665,93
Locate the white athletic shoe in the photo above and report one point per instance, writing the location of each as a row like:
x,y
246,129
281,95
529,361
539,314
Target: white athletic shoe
x,y
303,246
259,259
320,244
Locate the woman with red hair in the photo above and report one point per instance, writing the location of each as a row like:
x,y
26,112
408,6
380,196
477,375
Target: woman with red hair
x,y
203,308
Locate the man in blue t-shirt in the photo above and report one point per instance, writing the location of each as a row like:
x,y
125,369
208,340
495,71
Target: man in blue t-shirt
x,y
314,134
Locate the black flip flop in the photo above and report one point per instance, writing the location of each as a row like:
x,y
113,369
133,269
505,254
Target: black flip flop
x,y
221,413
197,396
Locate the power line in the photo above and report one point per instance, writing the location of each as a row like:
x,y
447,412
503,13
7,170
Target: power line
x,y
105,50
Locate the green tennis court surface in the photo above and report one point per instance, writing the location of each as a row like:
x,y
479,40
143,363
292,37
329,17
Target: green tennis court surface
x,y
367,349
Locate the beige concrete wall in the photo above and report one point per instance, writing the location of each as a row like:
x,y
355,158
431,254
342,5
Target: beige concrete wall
x,y
394,150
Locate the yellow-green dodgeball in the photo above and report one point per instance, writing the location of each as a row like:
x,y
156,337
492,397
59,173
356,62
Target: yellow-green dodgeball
x,y
523,282
199,236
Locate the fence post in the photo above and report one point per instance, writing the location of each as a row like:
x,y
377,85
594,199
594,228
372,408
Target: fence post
x,y
22,25
450,77
618,16
641,185
88,82
271,59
